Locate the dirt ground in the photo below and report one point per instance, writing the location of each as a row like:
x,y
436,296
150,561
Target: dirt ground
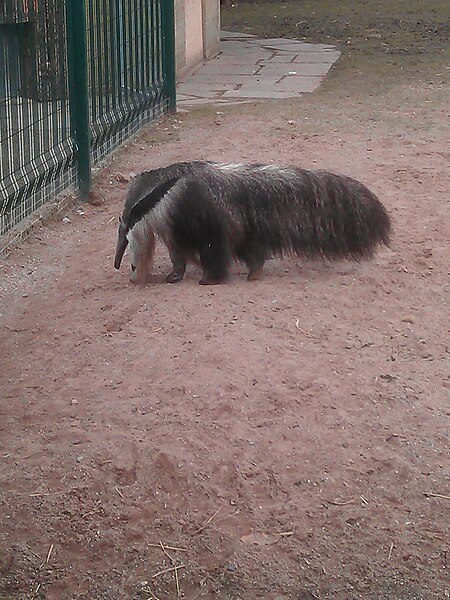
x,y
287,437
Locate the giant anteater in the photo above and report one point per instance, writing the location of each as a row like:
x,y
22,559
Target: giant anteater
x,y
215,213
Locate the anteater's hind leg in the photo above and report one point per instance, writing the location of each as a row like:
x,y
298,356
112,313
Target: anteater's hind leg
x,y
254,257
214,259
179,260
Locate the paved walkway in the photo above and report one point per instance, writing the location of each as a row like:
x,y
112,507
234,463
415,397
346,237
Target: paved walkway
x,y
249,68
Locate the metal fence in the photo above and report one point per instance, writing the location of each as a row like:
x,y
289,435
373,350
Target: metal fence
x,y
76,78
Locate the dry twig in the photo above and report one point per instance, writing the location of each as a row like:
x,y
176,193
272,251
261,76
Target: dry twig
x,y
208,548
173,563
208,521
36,495
49,553
147,590
177,583
432,495
338,503
197,595
168,547
15,330
390,550
91,512
169,570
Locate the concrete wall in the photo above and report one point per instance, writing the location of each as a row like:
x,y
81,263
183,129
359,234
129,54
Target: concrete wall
x,y
211,27
197,32
194,31
180,35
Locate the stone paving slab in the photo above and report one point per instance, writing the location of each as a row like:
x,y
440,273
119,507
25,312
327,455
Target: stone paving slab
x,y
251,68
260,94
318,57
294,83
204,86
214,78
288,45
293,69
325,57
214,66
250,54
238,46
231,35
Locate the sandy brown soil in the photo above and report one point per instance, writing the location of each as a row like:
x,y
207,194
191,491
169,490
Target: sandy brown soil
x,y
308,409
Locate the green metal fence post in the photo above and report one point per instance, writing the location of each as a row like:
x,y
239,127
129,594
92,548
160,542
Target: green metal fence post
x,y
168,40
78,91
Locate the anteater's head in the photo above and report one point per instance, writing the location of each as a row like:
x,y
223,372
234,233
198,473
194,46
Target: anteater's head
x,y
137,227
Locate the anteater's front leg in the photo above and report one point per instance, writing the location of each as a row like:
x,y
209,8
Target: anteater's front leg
x,y
214,260
179,260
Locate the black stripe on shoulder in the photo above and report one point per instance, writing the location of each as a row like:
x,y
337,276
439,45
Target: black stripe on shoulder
x,y
148,202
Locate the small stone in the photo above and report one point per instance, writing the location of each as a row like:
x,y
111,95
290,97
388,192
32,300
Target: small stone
x,y
95,199
122,178
231,567
408,319
388,377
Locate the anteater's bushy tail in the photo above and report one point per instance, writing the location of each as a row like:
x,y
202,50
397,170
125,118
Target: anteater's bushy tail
x,y
328,215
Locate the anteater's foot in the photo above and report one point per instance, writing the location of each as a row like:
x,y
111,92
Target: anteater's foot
x,y
255,275
174,277
211,281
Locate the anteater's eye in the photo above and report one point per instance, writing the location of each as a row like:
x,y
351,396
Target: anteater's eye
x,y
133,268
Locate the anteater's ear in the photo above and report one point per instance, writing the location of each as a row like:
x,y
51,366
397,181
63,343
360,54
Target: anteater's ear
x,y
122,243
148,202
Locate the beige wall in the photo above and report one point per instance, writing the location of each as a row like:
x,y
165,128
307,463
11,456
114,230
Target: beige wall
x,y
197,31
194,31
211,27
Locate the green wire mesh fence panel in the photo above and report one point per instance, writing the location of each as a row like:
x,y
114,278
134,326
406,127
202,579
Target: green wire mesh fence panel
x,y
36,150
125,69
130,71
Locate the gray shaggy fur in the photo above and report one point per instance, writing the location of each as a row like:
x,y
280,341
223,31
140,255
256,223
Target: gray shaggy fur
x,y
217,213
